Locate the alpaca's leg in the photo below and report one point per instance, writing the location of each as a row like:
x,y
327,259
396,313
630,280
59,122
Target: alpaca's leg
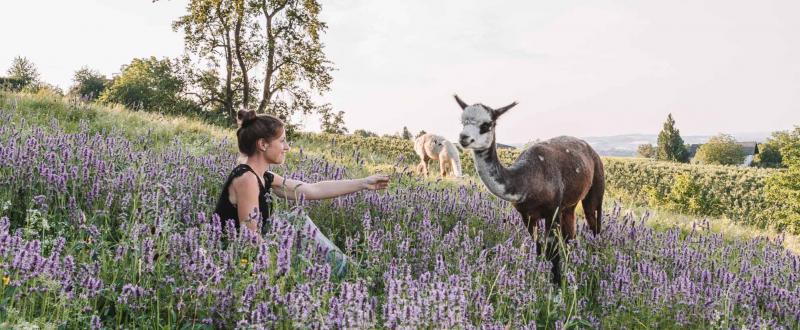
x,y
456,166
442,167
568,223
553,247
422,168
593,205
531,221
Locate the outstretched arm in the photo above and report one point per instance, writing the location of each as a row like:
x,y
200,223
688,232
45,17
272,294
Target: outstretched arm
x,y
293,189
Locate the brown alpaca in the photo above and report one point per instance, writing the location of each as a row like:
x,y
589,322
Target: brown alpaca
x,y
429,146
547,181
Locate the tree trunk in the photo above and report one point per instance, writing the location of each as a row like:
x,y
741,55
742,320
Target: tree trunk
x,y
266,96
228,104
240,12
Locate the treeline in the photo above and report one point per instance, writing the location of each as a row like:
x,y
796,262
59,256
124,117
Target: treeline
x,y
721,149
265,56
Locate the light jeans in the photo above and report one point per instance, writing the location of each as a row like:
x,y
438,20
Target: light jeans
x,y
339,262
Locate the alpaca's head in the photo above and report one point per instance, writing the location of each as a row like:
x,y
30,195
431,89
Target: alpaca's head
x,y
479,124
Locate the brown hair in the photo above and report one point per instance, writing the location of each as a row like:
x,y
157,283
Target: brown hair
x,y
253,127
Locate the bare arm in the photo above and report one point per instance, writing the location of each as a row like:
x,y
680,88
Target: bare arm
x,y
245,190
292,189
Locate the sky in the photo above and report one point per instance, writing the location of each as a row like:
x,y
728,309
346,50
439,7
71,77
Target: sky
x,y
581,68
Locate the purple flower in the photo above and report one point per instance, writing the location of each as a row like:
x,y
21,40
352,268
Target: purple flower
x,y
96,324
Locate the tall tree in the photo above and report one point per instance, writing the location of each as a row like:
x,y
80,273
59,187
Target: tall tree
x,y
670,144
207,31
406,133
279,38
23,70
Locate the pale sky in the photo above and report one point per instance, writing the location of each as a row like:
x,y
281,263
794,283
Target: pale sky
x,y
582,68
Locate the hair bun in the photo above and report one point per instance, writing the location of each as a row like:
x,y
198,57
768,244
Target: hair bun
x,y
246,117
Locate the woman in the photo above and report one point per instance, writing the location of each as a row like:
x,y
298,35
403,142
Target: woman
x,y
245,196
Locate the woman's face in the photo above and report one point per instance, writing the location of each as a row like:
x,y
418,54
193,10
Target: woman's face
x,y
276,149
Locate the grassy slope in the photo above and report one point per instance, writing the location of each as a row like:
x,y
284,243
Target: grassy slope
x,y
196,134
199,138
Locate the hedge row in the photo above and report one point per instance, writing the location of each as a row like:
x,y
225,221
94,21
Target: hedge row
x,y
705,190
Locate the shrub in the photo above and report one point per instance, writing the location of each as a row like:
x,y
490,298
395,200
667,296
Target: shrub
x,y
149,84
88,84
720,150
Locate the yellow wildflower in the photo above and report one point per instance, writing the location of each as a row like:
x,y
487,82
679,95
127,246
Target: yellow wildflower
x,y
243,262
6,280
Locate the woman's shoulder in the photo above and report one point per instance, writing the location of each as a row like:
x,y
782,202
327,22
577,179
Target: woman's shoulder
x,y
243,174
240,169
246,179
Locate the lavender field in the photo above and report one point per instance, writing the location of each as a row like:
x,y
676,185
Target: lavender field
x,y
102,228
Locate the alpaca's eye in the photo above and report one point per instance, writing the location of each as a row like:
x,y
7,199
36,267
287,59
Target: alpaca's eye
x,y
485,127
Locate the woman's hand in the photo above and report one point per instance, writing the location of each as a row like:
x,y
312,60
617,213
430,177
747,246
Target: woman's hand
x,y
375,182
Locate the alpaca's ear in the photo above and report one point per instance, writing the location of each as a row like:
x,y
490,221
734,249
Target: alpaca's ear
x,y
499,112
460,102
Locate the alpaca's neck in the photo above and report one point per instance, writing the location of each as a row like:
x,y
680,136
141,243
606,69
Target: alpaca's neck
x,y
496,177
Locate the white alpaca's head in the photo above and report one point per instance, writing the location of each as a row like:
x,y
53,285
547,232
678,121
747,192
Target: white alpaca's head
x,y
479,124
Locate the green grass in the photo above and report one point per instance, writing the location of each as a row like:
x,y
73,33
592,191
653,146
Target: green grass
x,y
161,130
164,132
164,129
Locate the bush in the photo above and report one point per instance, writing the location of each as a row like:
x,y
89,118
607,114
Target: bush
x,y
646,150
364,133
688,196
11,84
720,150
89,84
771,152
785,186
149,84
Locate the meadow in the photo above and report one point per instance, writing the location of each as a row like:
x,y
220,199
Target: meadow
x,y
104,223
735,193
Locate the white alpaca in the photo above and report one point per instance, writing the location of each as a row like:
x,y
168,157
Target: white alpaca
x,y
430,146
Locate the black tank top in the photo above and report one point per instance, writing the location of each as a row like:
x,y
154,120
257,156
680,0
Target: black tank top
x,y
227,211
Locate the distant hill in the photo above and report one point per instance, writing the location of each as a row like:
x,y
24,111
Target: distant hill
x,y
625,145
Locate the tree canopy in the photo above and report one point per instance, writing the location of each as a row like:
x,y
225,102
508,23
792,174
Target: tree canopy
x,y
769,154
646,150
784,187
24,71
261,54
720,150
332,122
88,84
148,84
